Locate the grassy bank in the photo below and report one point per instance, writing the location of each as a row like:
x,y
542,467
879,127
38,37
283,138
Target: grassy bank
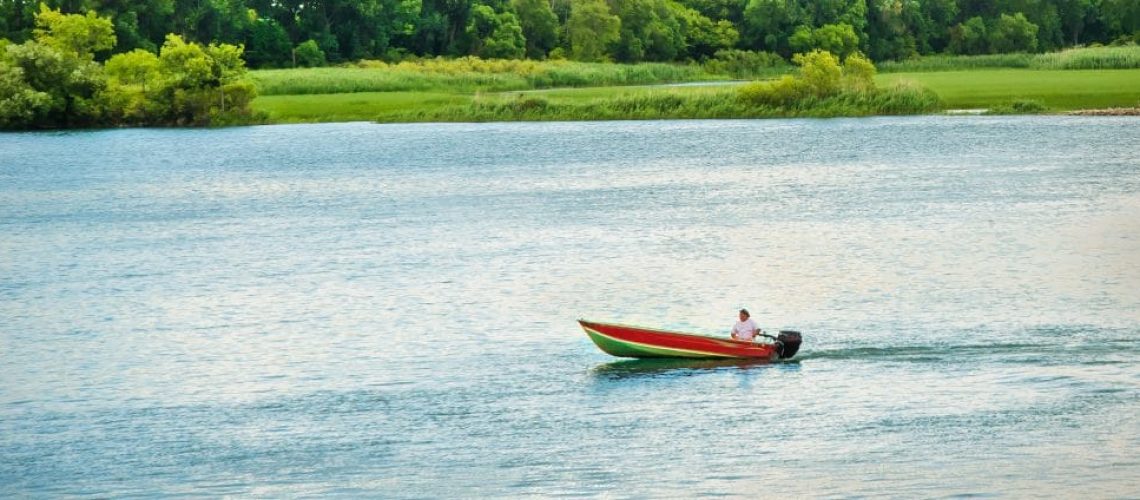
x,y
662,103
1057,90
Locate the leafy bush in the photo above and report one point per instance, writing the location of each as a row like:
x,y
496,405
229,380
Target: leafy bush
x,y
823,87
745,63
784,92
858,73
309,54
819,71
53,81
1019,107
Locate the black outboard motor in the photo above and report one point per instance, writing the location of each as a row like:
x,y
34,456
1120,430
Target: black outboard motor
x,y
787,343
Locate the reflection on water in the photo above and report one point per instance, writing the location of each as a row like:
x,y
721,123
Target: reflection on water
x,y
632,368
364,310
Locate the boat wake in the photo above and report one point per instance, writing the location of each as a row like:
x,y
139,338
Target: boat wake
x,y
676,366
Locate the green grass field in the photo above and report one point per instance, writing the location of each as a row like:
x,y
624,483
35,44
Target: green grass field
x,y
1058,90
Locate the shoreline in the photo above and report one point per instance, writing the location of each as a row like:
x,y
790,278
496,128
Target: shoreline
x,y
1134,111
1100,112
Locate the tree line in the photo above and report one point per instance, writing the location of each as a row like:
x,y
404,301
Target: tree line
x,y
54,81
287,33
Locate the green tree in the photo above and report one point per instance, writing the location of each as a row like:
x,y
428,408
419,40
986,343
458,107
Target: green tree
x,y
820,76
441,26
702,36
17,18
1013,34
858,73
591,29
138,23
1121,19
649,31
55,76
495,35
769,23
309,54
268,45
62,87
539,26
73,34
213,20
138,67
970,37
1075,17
731,11
204,85
819,71
134,81
20,103
1043,14
838,39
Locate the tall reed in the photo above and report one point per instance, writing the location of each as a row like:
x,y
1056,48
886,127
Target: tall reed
x,y
468,74
1120,57
673,104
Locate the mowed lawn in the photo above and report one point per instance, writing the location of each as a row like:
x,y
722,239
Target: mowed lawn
x,y
1058,90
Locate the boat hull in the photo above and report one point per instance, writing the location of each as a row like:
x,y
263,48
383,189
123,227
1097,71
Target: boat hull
x,y
637,342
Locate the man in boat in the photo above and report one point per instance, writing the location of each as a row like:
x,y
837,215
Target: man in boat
x,y
745,329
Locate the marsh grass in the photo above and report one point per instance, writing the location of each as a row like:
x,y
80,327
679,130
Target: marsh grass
x,y
1125,57
1121,57
469,74
650,104
956,63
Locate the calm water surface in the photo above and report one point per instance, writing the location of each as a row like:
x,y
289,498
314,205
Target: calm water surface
x,y
389,310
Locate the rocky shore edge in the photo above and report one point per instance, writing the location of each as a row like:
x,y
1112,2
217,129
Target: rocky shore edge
x,y
1107,112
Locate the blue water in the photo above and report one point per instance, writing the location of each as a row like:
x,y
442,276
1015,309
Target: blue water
x,y
389,310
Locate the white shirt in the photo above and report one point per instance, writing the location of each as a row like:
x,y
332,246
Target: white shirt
x,y
744,330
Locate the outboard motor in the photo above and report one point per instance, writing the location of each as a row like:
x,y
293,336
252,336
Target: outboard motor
x,y
787,343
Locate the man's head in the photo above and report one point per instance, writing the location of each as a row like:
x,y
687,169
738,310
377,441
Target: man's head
x,y
744,315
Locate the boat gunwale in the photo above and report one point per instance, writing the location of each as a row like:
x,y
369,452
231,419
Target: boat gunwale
x,y
742,343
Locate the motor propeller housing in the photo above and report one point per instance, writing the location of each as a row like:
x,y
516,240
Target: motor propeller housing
x,y
787,343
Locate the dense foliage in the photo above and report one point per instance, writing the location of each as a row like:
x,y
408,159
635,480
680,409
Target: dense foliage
x,y
291,33
53,80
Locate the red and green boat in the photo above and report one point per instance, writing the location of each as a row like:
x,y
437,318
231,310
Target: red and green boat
x,y
638,342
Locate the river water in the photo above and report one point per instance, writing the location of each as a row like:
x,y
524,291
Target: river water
x,y
389,310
